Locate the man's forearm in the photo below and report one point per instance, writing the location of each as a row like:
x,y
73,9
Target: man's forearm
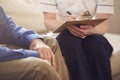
x,y
7,54
10,33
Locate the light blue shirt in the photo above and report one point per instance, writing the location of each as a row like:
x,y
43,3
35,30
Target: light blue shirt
x,y
12,34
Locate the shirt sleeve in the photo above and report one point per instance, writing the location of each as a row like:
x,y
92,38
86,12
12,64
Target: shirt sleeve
x,y
105,6
7,54
10,33
48,6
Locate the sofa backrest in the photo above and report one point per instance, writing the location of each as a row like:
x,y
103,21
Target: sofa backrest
x,y
25,13
115,20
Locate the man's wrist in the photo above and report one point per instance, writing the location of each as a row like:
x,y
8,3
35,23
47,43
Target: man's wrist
x,y
35,44
31,53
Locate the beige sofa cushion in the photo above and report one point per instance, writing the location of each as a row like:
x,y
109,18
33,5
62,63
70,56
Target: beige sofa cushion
x,y
26,13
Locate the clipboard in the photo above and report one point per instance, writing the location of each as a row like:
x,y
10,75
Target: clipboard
x,y
92,22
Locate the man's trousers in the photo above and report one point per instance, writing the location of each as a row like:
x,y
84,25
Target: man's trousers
x,y
32,68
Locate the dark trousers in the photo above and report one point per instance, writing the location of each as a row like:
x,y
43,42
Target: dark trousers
x,y
88,58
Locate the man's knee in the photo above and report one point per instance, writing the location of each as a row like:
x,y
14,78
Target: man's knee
x,y
27,68
44,71
37,63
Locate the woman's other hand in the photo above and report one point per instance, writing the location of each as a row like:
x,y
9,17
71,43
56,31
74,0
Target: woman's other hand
x,y
82,31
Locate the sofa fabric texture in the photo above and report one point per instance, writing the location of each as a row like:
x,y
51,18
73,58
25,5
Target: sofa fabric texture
x,y
25,13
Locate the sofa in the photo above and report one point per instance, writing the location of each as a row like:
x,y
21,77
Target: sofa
x,y
26,13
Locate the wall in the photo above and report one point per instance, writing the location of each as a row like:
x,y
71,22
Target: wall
x,y
25,13
115,20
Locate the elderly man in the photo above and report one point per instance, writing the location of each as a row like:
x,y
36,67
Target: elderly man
x,y
35,60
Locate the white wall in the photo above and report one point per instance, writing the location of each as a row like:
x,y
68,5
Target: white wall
x,y
115,20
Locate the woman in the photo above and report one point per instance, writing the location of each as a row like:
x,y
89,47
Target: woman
x,y
84,48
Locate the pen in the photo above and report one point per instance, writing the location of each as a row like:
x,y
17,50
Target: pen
x,y
75,18
68,12
71,14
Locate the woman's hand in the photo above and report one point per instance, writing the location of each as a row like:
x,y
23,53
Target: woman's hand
x,y
82,31
44,51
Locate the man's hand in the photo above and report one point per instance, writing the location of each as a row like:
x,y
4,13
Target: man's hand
x,y
43,50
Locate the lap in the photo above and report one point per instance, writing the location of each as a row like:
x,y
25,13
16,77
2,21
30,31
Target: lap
x,y
20,65
24,69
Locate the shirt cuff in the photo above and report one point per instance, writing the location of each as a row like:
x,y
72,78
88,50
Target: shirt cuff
x,y
31,53
105,9
31,37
